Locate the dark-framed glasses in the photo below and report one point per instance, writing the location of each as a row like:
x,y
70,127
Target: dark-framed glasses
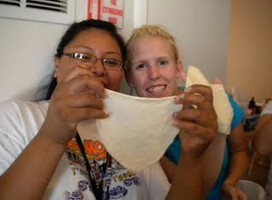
x,y
108,63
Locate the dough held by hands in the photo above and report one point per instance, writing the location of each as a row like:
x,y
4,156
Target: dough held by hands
x,y
221,102
138,130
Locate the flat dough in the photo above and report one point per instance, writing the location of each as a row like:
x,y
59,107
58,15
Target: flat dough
x,y
221,102
138,130
222,108
195,76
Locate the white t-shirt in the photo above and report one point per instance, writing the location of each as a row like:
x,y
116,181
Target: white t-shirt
x,y
20,122
267,108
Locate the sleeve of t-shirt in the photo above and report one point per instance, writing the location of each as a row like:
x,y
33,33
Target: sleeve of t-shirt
x,y
10,145
267,108
238,113
159,184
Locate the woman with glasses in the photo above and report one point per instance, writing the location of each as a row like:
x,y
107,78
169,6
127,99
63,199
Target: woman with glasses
x,y
43,157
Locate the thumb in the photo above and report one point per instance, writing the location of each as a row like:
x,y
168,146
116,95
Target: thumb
x,y
217,81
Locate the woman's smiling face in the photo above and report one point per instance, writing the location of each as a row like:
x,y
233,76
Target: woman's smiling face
x,y
153,69
97,43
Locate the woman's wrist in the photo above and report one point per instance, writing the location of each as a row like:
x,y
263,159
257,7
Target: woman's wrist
x,y
47,138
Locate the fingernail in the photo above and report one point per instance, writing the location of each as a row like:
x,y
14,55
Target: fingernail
x,y
106,114
192,106
188,89
105,94
179,97
102,95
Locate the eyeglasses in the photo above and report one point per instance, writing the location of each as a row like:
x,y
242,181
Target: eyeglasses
x,y
108,63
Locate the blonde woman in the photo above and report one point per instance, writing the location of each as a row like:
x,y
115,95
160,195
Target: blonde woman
x,y
153,69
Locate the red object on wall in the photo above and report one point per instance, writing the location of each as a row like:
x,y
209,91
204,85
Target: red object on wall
x,y
108,10
89,12
98,9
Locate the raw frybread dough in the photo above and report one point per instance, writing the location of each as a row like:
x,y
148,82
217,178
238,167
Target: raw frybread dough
x,y
138,130
221,102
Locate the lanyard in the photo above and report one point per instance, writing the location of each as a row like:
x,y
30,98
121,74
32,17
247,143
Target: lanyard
x,y
97,189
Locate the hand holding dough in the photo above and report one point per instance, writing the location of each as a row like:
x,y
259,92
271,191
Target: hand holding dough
x,y
138,130
221,102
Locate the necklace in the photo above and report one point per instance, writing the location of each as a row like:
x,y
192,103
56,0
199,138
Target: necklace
x,y
97,187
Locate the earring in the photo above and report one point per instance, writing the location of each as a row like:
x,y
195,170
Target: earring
x,y
180,82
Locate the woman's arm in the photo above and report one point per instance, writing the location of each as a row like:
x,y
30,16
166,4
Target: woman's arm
x,y
239,160
262,135
29,175
198,128
188,179
71,103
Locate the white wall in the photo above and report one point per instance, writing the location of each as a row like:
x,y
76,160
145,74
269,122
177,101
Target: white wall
x,y
27,51
26,55
201,29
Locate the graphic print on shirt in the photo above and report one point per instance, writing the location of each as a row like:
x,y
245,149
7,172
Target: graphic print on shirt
x,y
77,194
116,180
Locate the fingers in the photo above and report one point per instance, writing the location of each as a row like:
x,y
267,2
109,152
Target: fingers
x,y
198,122
86,114
233,193
194,115
241,195
194,130
75,72
83,93
79,89
86,99
199,95
203,113
217,80
72,109
76,98
236,193
196,133
205,91
79,79
85,84
194,100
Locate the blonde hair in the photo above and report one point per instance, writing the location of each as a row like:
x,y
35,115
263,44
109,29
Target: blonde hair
x,y
152,30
